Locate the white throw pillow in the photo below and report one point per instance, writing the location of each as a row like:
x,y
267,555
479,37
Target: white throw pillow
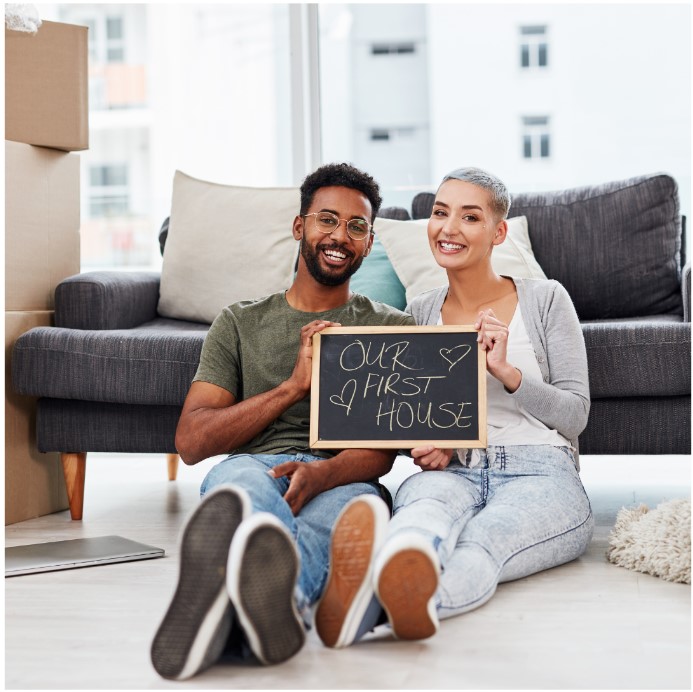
x,y
225,244
406,243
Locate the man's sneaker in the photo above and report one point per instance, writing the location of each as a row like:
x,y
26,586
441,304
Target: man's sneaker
x,y
347,608
261,577
193,633
406,580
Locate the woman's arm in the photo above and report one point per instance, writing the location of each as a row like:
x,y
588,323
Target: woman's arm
x,y
563,403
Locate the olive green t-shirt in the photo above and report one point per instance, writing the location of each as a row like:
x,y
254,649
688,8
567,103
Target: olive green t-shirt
x,y
251,348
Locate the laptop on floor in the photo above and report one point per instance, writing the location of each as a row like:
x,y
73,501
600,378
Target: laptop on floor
x,y
78,552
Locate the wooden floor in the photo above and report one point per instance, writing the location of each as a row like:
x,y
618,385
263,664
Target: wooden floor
x,y
585,625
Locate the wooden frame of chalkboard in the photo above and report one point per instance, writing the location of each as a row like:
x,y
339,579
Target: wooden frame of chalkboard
x,y
398,388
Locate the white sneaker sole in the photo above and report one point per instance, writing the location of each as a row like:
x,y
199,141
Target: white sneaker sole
x,y
261,577
194,629
356,537
406,580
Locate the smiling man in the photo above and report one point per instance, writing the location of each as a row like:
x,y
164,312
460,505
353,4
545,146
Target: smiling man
x,y
255,552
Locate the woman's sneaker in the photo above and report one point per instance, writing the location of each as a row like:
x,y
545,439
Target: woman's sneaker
x,y
406,580
194,630
348,608
261,579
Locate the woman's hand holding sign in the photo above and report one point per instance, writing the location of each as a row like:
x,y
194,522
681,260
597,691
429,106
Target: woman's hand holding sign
x,y
431,458
493,338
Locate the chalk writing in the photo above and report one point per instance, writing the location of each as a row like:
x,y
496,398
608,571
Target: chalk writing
x,y
422,385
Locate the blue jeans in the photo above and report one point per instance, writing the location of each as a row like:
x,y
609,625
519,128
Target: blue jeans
x,y
521,510
312,527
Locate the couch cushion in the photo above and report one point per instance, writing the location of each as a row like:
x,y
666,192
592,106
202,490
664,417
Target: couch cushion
x,y
406,243
225,244
70,425
377,279
615,247
638,425
151,364
638,358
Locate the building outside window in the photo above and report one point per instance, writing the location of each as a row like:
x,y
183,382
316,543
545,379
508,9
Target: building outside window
x,y
536,138
534,49
408,92
199,88
374,93
392,134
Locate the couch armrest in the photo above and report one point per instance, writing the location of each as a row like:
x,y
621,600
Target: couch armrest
x,y
686,292
107,300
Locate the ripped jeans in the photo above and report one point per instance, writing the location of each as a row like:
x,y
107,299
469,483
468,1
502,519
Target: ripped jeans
x,y
520,510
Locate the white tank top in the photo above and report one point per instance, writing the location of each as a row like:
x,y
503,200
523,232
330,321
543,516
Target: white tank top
x,y
508,422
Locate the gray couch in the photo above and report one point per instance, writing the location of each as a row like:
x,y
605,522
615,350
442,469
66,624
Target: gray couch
x,y
112,375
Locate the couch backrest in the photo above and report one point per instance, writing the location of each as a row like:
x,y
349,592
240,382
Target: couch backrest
x,y
616,247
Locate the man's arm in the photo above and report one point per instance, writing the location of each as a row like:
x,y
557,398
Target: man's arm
x,y
212,422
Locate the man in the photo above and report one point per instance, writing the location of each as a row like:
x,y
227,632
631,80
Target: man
x,y
255,552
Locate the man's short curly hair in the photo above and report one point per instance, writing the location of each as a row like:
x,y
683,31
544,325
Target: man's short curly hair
x,y
342,175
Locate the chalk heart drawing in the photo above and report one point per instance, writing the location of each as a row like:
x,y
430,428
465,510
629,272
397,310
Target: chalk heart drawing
x,y
455,354
344,399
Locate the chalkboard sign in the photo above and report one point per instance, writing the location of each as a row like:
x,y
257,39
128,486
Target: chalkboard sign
x,y
398,388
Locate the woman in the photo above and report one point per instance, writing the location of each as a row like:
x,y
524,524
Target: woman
x,y
478,517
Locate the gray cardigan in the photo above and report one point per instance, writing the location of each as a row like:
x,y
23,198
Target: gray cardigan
x,y
562,400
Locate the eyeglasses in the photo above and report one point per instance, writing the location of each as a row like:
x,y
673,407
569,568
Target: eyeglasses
x,y
326,222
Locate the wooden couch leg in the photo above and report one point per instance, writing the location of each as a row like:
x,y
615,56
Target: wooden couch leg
x,y
173,460
74,468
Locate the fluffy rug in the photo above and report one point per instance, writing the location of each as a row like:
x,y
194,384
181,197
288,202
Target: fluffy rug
x,y
656,542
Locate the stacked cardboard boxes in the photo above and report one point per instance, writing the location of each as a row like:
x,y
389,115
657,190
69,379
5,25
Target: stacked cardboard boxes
x,y
45,119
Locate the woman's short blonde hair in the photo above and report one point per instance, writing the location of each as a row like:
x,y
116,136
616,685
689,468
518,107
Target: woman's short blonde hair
x,y
500,197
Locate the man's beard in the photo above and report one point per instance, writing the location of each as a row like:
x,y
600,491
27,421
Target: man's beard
x,y
319,274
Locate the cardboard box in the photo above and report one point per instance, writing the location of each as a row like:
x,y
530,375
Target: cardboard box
x,y
41,224
34,483
46,86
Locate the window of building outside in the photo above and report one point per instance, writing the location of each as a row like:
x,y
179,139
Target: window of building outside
x,y
393,48
534,50
536,138
384,134
108,190
199,88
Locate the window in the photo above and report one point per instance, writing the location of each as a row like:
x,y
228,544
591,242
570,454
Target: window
x,y
108,191
106,34
393,48
536,138
534,51
115,45
140,135
382,134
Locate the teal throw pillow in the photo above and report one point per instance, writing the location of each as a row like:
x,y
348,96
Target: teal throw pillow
x,y
377,280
